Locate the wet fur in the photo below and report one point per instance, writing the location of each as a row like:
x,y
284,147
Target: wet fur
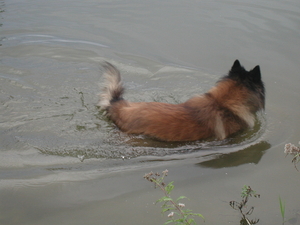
x,y
226,108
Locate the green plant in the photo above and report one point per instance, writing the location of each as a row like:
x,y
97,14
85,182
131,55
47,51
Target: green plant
x,y
282,209
241,206
178,214
290,149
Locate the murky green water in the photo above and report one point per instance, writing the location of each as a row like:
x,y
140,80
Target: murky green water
x,y
63,162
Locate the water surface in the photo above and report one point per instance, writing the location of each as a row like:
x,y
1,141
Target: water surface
x,y
63,162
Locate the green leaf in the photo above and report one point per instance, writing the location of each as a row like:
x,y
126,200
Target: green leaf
x,y
282,208
180,220
165,205
181,197
191,221
169,187
244,191
164,199
167,209
200,215
187,211
159,200
169,221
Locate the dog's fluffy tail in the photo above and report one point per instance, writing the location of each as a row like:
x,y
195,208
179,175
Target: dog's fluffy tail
x,y
113,88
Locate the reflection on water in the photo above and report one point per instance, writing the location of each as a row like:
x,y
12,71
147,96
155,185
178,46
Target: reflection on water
x,y
251,154
51,40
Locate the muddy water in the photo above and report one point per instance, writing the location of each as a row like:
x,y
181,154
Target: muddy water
x,y
63,162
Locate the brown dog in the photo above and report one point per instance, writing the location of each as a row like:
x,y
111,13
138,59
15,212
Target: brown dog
x,y
225,109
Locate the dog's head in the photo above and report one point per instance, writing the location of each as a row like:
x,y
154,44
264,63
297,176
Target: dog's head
x,y
252,81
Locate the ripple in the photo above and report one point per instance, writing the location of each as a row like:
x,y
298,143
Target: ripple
x,y
40,38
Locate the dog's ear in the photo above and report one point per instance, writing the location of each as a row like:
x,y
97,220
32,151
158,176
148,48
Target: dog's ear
x,y
256,73
236,65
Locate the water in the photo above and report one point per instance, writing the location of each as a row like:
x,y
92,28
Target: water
x,y
63,162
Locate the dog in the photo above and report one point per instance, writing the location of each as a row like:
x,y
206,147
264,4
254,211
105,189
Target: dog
x,y
228,107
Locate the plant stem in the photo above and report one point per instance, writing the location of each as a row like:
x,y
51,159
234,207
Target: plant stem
x,y
173,203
